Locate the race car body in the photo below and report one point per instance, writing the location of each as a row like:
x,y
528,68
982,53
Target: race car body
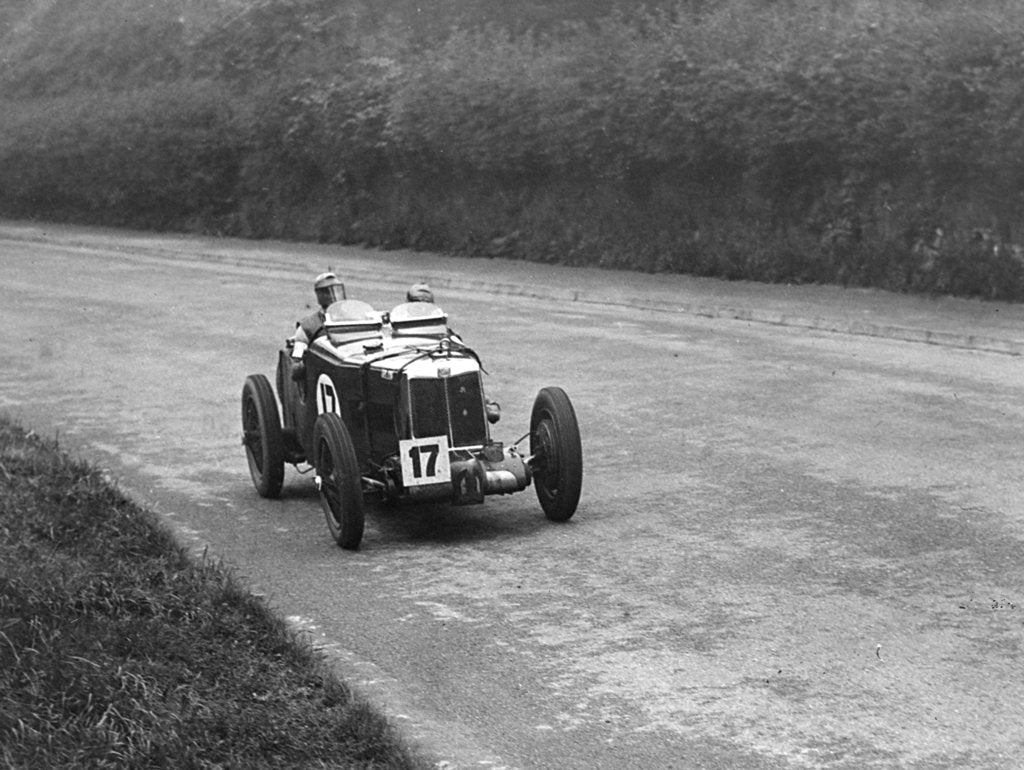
x,y
393,404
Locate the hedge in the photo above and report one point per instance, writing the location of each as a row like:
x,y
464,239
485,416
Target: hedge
x,y
862,142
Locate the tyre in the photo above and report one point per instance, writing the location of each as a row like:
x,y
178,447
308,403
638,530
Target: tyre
x,y
261,435
339,480
557,454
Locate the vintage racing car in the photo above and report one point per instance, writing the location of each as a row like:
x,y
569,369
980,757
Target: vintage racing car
x,y
393,405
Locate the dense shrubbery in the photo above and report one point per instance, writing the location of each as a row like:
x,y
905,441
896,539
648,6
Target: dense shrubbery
x,y
866,142
156,157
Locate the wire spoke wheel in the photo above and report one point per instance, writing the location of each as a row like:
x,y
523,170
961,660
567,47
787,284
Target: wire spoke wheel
x,y
339,480
261,436
557,454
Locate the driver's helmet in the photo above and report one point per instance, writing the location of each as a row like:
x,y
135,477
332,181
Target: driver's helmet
x,y
329,289
419,292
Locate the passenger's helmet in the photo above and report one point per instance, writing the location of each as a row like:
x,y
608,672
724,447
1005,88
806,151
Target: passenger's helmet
x,y
419,292
329,289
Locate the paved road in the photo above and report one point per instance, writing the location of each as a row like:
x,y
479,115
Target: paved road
x,y
796,547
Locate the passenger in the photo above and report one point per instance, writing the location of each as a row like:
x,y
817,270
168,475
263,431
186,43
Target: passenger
x,y
419,292
328,289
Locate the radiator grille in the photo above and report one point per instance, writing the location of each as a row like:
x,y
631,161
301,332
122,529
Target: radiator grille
x,y
451,406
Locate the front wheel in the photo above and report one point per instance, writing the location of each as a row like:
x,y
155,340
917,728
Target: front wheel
x,y
261,435
557,454
338,480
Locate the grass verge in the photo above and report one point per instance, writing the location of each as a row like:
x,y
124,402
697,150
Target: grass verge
x,y
117,649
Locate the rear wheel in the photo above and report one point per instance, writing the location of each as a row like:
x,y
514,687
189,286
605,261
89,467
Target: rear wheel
x,y
557,454
261,435
339,480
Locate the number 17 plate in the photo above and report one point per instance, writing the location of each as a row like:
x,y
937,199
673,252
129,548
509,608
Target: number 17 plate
x,y
425,461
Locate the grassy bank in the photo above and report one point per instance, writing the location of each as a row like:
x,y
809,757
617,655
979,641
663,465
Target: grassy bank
x,y
118,650
861,142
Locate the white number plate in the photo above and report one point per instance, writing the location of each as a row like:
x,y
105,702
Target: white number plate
x,y
425,461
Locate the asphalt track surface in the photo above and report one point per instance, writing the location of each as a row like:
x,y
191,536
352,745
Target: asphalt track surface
x,y
799,543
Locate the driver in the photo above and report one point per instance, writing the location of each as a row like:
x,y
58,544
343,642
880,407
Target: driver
x,y
328,289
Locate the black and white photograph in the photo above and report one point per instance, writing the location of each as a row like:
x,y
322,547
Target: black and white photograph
x,y
496,385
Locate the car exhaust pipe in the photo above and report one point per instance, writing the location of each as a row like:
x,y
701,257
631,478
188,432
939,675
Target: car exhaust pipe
x,y
502,482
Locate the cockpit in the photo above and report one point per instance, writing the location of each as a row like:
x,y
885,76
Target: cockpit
x,y
353,320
